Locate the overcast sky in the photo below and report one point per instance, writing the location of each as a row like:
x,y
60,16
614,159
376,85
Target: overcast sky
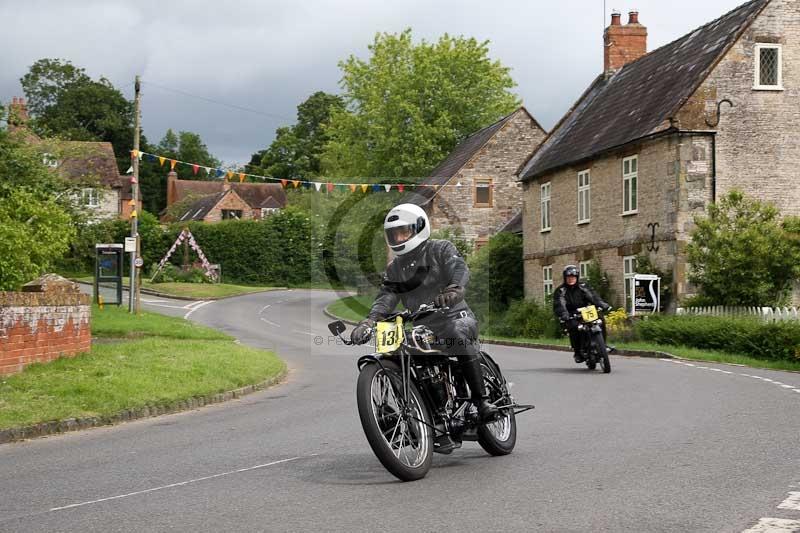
x,y
270,55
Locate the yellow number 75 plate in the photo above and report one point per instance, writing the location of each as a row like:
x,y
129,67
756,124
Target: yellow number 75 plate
x,y
389,335
588,313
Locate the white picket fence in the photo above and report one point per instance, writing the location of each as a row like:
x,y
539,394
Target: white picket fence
x,y
768,314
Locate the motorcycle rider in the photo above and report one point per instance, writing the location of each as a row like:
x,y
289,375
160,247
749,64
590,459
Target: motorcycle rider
x,y
571,296
425,270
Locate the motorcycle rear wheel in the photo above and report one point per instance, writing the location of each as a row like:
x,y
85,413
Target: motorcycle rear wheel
x,y
602,350
499,436
400,435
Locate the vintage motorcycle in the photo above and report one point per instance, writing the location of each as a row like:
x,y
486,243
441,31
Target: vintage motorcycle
x,y
592,342
409,394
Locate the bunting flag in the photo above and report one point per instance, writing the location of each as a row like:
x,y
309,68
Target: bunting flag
x,y
388,187
295,183
283,183
133,213
131,202
330,187
241,177
317,185
364,187
150,157
172,163
352,187
220,172
195,168
129,171
229,174
133,180
376,188
161,160
208,171
134,153
400,187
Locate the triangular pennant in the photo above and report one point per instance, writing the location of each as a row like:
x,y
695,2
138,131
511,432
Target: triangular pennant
x,y
306,184
401,187
131,202
208,171
352,187
220,172
388,187
317,185
172,164
195,168
134,180
330,186
133,213
229,174
376,188
134,153
284,182
129,171
241,177
295,183
364,187
150,157
161,160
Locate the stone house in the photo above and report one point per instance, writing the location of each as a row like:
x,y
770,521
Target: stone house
x,y
211,201
474,191
89,167
660,135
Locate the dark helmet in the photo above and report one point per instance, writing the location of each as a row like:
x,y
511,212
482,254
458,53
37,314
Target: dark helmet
x,y
572,270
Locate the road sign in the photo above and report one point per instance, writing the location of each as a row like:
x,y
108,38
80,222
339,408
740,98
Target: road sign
x,y
130,244
138,262
646,294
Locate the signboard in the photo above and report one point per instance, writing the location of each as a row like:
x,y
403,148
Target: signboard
x,y
108,273
130,244
646,294
138,262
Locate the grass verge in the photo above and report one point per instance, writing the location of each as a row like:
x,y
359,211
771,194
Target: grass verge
x,y
353,308
159,360
199,291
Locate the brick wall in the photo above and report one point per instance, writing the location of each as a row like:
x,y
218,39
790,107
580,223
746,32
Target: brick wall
x,y
230,201
499,160
49,319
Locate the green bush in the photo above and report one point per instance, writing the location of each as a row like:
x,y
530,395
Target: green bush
x,y
750,336
171,273
524,318
496,275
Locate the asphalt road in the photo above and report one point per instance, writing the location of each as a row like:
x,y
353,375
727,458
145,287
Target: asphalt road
x,y
653,446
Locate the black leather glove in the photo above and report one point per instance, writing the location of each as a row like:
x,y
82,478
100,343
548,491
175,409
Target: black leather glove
x,y
572,323
362,333
449,297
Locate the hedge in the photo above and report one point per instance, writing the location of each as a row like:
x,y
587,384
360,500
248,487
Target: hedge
x,y
750,336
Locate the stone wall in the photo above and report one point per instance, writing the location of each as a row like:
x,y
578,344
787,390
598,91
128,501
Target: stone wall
x,y
757,145
49,319
498,160
674,179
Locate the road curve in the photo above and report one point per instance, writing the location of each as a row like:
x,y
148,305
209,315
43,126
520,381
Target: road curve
x,y
653,446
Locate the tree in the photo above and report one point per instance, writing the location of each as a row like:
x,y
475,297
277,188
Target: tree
x,y
741,254
496,272
297,149
67,103
410,104
35,230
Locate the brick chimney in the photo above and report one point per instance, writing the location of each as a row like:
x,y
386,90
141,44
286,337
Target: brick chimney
x,y
171,192
17,113
623,44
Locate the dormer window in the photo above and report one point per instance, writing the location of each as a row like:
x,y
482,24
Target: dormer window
x,y
49,160
768,71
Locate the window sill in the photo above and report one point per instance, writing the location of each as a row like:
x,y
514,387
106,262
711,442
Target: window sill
x,y
583,222
547,230
482,206
629,213
776,88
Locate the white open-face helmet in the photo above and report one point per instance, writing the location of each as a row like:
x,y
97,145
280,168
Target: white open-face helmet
x,y
405,228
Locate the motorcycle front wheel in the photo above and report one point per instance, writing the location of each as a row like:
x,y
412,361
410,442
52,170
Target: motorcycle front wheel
x,y
499,436
400,433
602,351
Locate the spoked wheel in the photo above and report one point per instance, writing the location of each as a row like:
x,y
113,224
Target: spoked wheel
x,y
400,433
602,351
499,436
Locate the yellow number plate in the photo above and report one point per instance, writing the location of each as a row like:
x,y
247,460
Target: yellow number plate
x,y
589,313
389,335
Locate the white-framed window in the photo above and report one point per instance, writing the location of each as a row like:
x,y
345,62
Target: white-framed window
x,y
90,197
483,192
628,272
545,206
630,185
583,268
768,67
267,211
547,280
49,160
584,197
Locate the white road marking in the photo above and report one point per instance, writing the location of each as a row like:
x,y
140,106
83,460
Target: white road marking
x,y
792,502
304,332
164,305
196,307
264,308
270,322
180,484
774,525
760,378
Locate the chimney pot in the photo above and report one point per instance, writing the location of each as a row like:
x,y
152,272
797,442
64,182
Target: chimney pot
x,y
615,18
623,44
633,17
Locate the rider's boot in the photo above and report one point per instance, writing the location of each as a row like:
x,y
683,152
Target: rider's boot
x,y
579,356
472,373
444,443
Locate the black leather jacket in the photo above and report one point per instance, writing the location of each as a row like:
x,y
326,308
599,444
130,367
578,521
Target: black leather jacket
x,y
417,277
568,299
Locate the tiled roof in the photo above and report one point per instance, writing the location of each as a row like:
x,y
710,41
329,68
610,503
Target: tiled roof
x,y
199,209
514,225
254,194
454,162
640,98
89,161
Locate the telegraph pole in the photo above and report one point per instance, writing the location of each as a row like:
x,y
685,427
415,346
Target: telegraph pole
x,y
133,292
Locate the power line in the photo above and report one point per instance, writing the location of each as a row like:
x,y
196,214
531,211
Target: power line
x,y
234,106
